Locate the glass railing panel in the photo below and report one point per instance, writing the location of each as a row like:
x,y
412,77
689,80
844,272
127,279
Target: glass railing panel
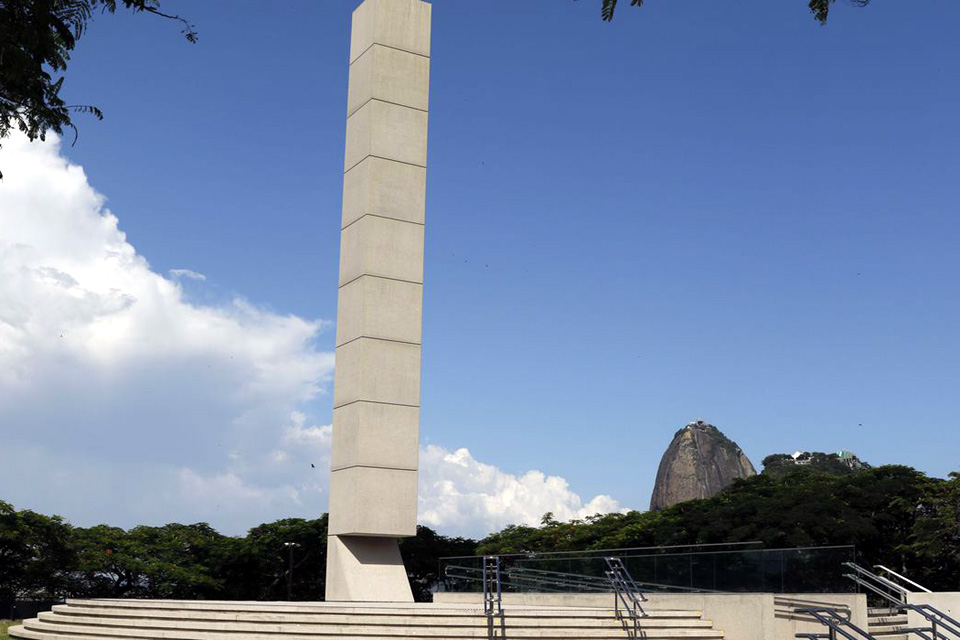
x,y
725,570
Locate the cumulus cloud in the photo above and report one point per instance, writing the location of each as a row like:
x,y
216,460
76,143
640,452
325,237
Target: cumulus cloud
x,y
461,495
103,361
121,401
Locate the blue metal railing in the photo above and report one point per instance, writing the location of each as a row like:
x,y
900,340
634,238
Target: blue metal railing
x,y
627,597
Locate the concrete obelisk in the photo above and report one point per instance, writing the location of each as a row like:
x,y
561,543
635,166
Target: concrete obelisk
x,y
376,397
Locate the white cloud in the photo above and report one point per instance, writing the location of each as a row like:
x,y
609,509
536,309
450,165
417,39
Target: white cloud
x,y
105,365
187,273
461,495
123,402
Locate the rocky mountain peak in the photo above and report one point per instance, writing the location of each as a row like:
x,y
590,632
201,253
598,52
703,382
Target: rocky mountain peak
x,y
699,463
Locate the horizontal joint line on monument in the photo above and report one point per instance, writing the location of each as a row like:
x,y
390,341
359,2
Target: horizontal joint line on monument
x,y
373,155
373,275
392,404
396,104
386,46
377,215
412,344
373,466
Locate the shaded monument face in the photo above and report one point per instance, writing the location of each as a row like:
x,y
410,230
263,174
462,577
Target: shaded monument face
x,y
376,415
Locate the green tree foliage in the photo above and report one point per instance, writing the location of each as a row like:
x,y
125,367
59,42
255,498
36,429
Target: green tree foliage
x,y
36,39
172,561
936,535
255,567
819,8
894,515
43,557
36,554
780,464
421,555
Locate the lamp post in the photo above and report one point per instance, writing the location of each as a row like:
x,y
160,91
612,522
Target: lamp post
x,y
290,546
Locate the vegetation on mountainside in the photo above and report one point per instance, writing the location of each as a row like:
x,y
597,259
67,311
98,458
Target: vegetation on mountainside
x,y
780,464
894,515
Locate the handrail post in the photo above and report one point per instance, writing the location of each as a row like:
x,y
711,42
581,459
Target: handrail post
x,y
492,593
483,575
499,588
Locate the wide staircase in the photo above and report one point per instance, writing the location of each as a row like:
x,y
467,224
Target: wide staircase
x,y
208,620
887,623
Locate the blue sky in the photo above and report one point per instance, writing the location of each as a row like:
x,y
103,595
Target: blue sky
x,y
702,210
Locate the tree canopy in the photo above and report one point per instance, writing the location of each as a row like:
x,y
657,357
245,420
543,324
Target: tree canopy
x,y
894,515
36,40
820,8
45,558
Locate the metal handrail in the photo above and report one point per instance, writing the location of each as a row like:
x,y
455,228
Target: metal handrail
x,y
834,623
626,592
492,595
937,619
548,581
870,580
492,589
630,551
900,577
619,596
873,576
898,603
558,578
557,581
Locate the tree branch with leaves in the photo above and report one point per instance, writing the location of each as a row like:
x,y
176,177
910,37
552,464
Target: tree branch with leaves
x,y
820,8
36,39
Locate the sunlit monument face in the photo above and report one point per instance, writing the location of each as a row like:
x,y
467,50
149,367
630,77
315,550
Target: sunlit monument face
x,y
376,415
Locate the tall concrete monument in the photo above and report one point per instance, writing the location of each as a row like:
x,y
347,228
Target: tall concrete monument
x,y
376,398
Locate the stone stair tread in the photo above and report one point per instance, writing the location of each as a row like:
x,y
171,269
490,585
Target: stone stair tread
x,y
158,634
84,619
76,615
317,616
346,618
356,627
425,609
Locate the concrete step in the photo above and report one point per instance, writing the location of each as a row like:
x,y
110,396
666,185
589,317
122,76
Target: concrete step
x,y
387,609
209,620
20,632
48,630
395,617
358,626
159,618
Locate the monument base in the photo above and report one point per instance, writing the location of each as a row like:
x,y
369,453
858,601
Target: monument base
x,y
366,569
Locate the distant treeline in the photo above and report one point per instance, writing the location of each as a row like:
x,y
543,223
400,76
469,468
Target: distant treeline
x,y
894,515
45,558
